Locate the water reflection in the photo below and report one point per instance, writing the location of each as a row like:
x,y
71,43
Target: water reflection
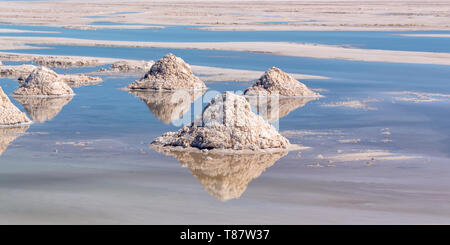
x,y
225,176
9,134
42,109
168,106
274,108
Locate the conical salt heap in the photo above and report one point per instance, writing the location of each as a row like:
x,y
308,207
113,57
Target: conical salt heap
x,y
9,113
43,109
225,176
168,73
227,123
43,82
276,82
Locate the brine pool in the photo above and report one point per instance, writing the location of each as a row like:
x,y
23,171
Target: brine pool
x,y
87,160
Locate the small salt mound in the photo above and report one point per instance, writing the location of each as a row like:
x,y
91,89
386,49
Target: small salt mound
x,y
276,82
16,71
168,73
43,82
131,66
9,113
227,122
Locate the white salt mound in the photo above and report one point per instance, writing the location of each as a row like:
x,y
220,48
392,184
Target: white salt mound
x,y
168,73
131,66
43,82
9,113
227,122
275,81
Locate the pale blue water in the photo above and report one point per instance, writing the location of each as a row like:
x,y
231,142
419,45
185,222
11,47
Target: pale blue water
x,y
117,178
359,39
367,75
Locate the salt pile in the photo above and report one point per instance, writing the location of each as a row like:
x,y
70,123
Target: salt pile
x,y
9,113
43,82
225,176
226,123
168,73
16,71
79,80
276,82
64,62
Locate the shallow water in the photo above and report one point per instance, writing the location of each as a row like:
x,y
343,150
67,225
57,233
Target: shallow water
x,y
389,40
91,162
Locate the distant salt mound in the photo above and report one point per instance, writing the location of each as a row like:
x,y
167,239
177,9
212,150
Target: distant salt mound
x,y
225,176
64,62
79,80
131,66
226,123
169,73
276,82
16,71
43,82
9,113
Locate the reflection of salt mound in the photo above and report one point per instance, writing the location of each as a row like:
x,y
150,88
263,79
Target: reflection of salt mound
x,y
43,82
9,113
168,106
8,135
168,73
276,82
43,109
274,108
227,122
225,176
